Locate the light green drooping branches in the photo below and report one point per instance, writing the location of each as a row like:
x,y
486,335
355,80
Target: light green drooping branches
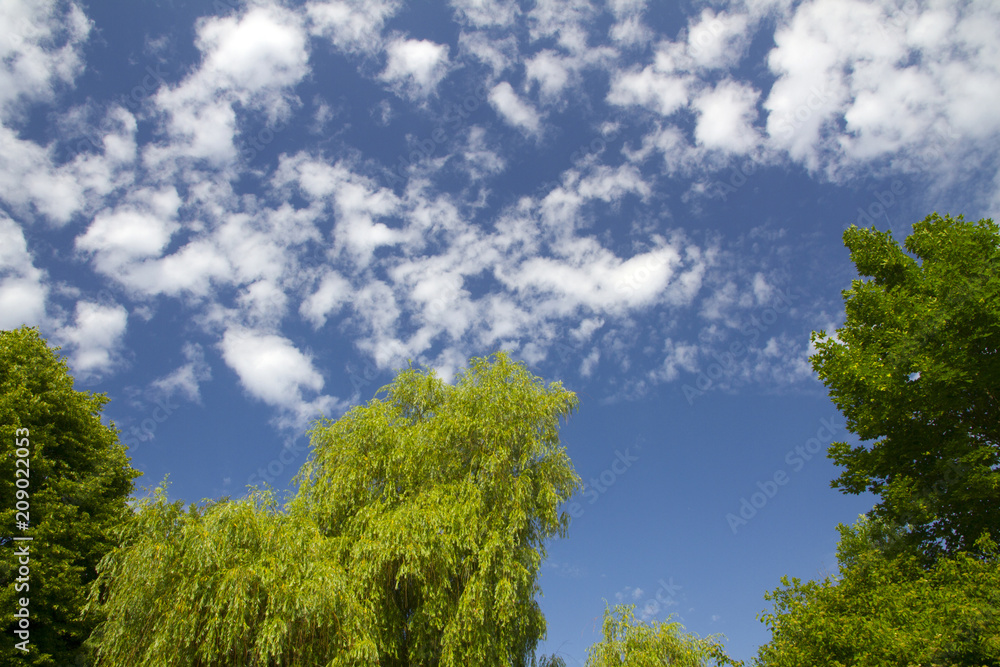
x,y
631,643
445,495
230,583
415,538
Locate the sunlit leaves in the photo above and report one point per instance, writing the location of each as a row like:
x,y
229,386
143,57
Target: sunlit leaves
x,y
445,495
415,538
888,610
915,370
227,583
628,642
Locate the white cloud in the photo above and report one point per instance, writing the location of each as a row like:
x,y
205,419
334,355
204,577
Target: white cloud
x,y
94,337
32,179
486,13
251,60
725,117
270,367
568,21
187,378
860,82
40,49
513,109
550,71
263,49
481,160
629,30
718,40
332,293
123,236
351,25
357,201
678,356
664,93
499,54
415,66
23,291
22,301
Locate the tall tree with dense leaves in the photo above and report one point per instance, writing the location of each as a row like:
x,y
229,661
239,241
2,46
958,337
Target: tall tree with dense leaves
x,y
416,535
916,371
631,643
79,478
884,609
445,495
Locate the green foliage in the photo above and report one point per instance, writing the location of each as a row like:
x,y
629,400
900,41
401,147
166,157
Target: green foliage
x,y
444,496
915,369
888,611
228,583
79,479
415,538
549,661
631,643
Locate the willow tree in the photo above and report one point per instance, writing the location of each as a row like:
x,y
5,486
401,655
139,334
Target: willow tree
x,y
443,497
415,538
226,583
631,643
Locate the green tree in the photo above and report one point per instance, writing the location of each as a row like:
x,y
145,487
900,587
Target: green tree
x,y
631,643
227,583
426,512
883,610
916,371
79,478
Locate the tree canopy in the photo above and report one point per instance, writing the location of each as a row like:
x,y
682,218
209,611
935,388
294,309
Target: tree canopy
x,y
888,610
79,478
628,642
916,370
415,537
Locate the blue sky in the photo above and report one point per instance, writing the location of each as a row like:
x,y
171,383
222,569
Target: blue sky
x,y
235,216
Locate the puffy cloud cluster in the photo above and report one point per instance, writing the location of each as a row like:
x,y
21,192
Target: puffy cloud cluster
x,y
433,271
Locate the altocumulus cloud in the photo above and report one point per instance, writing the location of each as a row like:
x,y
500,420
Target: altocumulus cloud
x,y
565,207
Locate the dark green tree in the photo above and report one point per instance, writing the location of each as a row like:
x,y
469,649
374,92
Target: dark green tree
x,y
79,479
885,610
415,538
916,371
